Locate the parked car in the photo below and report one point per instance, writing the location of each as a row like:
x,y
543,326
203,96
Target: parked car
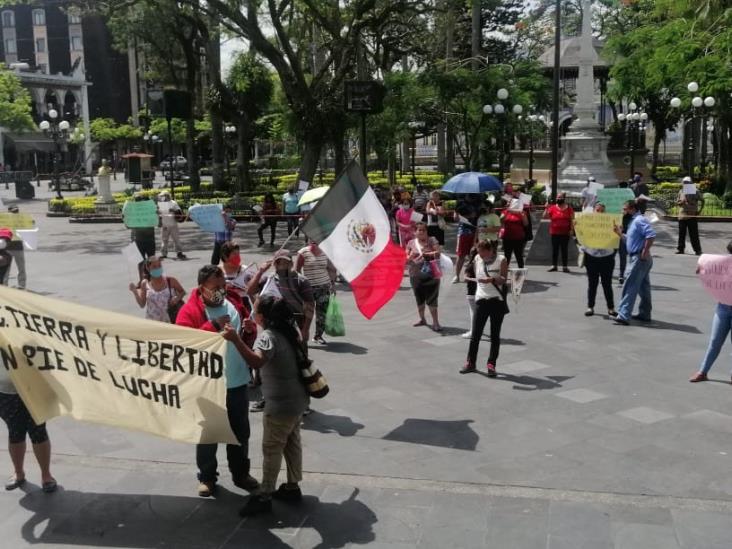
x,y
179,163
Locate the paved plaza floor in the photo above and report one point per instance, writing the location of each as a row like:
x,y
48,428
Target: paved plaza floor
x,y
591,436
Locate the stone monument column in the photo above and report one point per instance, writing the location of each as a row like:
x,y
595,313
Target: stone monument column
x,y
105,203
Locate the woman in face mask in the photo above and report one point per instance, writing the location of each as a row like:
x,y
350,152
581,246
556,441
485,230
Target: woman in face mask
x,y
6,235
158,294
405,222
561,216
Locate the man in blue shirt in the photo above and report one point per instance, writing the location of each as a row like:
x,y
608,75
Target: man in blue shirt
x,y
638,241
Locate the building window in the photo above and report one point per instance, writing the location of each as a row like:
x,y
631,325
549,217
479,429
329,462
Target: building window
x,y
10,46
74,19
8,19
76,43
40,45
39,17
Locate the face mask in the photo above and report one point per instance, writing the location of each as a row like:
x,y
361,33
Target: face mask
x,y
404,207
235,260
3,243
215,298
156,273
560,201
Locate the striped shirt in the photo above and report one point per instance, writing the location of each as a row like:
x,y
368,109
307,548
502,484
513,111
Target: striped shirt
x,y
315,267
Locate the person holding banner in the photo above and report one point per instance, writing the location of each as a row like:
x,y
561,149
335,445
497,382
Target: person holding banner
x,y
721,328
491,273
561,216
600,264
158,294
691,203
423,254
270,212
638,241
21,425
169,211
208,309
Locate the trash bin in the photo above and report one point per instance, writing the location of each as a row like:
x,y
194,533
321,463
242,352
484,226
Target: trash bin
x,y
25,190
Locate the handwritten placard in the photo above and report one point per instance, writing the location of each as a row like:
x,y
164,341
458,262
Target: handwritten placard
x,y
715,273
302,186
595,230
689,188
208,217
614,199
16,221
139,215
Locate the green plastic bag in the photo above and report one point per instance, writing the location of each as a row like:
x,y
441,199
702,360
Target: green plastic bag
x,y
334,325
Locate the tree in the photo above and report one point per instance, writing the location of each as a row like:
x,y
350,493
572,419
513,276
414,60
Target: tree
x,y
15,103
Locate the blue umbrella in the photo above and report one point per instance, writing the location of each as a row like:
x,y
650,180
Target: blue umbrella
x,y
472,183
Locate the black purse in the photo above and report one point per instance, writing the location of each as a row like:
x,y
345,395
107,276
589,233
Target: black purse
x,y
503,290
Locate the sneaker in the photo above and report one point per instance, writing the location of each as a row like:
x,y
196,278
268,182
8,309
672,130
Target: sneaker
x,y
620,321
469,367
255,505
257,406
181,255
491,369
566,270
679,252
467,335
455,279
612,312
319,339
590,311
283,493
247,482
552,270
697,377
206,489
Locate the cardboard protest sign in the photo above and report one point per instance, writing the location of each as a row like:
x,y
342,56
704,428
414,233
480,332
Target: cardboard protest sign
x,y
114,369
614,199
715,273
208,217
416,217
29,238
595,230
525,200
133,258
140,215
16,221
517,277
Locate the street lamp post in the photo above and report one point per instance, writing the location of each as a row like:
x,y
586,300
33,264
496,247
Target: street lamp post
x,y
499,109
533,119
635,126
696,103
58,130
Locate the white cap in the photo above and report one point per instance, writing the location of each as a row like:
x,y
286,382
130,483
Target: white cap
x,y
591,179
686,179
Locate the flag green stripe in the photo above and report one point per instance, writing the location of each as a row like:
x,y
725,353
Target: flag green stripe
x,y
345,193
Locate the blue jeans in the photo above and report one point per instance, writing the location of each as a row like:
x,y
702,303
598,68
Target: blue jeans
x,y
637,282
721,326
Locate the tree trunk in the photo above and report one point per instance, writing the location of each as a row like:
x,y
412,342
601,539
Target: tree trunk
x,y
449,46
441,160
658,137
243,157
310,157
192,154
339,136
213,51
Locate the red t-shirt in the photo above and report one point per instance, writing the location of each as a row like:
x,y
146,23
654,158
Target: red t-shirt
x,y
513,226
561,220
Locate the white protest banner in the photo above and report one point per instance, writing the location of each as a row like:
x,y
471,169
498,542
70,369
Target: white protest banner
x,y
208,217
595,230
715,273
29,238
689,188
118,370
16,221
525,200
140,214
133,258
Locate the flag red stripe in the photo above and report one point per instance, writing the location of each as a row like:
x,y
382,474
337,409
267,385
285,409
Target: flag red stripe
x,y
380,280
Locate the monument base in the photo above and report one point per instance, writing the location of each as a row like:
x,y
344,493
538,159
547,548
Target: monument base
x,y
106,208
540,252
584,156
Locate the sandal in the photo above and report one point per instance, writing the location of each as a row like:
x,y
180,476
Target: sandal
x,y
14,482
437,328
420,323
49,486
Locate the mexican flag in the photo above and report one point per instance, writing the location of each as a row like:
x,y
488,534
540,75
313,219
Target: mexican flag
x,y
352,228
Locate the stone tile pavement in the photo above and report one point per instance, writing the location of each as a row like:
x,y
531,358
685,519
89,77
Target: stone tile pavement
x,y
590,436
